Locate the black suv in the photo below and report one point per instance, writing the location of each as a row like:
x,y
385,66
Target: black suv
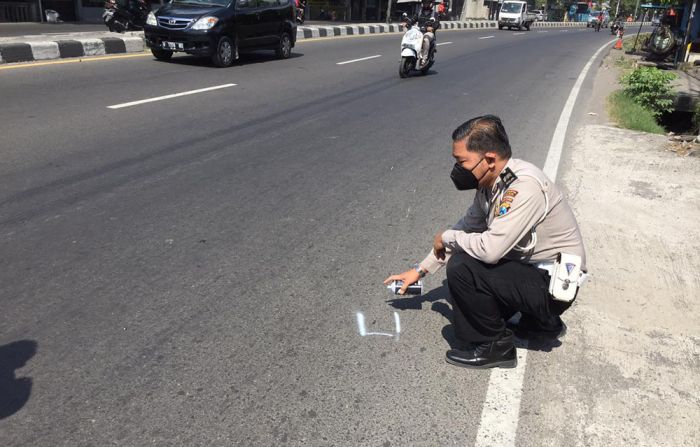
x,y
220,28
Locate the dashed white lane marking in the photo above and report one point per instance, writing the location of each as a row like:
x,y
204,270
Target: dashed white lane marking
x,y
486,37
360,59
174,95
443,43
563,30
499,416
518,34
542,31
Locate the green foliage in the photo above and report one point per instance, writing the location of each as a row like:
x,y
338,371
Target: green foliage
x,y
696,116
651,88
634,43
630,115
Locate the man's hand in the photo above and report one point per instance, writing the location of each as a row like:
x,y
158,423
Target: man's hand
x,y
438,247
408,277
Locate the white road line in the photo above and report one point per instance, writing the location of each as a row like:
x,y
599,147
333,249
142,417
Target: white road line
x,y
518,34
487,37
443,43
563,30
358,60
499,417
551,165
174,95
542,31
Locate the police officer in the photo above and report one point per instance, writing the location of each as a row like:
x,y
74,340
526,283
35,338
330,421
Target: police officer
x,y
500,254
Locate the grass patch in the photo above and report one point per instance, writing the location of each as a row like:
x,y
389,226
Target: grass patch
x,y
630,115
628,41
624,63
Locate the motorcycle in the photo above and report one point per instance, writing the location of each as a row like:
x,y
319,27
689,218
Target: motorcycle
x,y
615,27
300,12
129,17
411,51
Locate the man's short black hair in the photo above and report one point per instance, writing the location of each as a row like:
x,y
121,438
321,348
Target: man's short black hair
x,y
484,134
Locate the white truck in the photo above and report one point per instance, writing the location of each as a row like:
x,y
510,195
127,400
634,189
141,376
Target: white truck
x,y
515,14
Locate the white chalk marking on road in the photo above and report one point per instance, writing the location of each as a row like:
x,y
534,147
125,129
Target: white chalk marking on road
x,y
486,37
174,95
443,43
501,411
358,60
362,328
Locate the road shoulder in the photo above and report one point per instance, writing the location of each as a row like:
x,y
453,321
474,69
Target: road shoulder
x,y
627,371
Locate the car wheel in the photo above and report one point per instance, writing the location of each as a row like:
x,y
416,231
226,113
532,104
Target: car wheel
x,y
500,27
161,55
284,50
225,53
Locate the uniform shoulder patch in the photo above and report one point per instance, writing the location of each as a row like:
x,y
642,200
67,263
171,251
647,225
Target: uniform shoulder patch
x,y
502,209
506,202
508,177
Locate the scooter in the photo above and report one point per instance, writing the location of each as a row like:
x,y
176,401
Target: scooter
x,y
411,48
120,19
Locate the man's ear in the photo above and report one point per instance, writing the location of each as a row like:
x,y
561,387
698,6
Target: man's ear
x,y
491,158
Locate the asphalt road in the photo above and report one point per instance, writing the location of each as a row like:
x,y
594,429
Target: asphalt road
x,y
189,271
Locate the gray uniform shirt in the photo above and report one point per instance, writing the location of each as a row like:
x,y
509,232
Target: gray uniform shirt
x,y
500,222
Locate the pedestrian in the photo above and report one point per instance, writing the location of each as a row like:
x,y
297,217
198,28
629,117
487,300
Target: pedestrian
x,y
500,255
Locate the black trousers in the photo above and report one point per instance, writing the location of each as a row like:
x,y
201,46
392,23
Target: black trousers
x,y
485,296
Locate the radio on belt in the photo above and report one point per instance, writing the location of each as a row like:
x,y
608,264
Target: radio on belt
x,y
413,289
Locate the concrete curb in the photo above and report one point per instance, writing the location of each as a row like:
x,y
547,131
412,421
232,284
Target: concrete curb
x,y
81,45
59,49
314,32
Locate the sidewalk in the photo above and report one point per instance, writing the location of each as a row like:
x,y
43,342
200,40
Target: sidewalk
x,y
627,371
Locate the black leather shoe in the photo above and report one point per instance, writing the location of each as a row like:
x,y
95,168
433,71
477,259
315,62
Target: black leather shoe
x,y
531,327
490,354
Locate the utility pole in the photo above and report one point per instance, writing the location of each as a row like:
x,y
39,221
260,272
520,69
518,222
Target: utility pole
x,y
635,10
388,11
617,10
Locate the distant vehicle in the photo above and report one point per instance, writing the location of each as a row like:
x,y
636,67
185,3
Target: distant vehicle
x,y
220,28
515,14
579,12
539,15
593,18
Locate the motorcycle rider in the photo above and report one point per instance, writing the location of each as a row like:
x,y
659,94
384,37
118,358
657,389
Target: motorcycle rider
x,y
428,19
599,21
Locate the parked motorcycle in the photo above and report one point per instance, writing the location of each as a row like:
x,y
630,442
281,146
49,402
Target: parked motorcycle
x,y
128,15
411,51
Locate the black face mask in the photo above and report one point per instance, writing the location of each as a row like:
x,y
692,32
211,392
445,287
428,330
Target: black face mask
x,y
464,179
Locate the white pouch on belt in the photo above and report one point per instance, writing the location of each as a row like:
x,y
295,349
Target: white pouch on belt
x,y
565,276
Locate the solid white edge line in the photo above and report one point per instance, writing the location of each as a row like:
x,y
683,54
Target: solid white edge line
x,y
487,37
358,60
443,43
551,165
174,95
501,410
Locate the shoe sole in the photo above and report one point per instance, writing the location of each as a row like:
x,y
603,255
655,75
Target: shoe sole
x,y
502,364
